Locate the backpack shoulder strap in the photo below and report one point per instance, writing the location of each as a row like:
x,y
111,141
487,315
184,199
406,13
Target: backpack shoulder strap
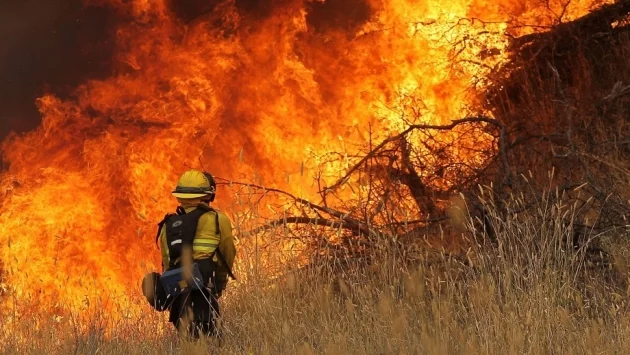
x,y
160,225
217,250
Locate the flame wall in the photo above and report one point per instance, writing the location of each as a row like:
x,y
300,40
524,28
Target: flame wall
x,y
281,83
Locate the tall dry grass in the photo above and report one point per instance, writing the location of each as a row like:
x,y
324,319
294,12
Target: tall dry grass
x,y
527,292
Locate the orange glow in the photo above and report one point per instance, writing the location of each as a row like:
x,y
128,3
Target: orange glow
x,y
266,96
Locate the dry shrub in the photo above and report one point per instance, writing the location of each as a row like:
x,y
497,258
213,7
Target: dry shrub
x,y
564,99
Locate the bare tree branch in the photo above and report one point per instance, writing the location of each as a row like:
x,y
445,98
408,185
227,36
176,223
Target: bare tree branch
x,y
351,223
453,124
306,220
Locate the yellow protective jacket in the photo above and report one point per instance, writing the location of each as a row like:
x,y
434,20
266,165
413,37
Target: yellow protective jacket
x,y
207,240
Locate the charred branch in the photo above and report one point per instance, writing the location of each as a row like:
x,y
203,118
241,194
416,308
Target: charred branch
x,y
407,170
409,176
342,219
328,223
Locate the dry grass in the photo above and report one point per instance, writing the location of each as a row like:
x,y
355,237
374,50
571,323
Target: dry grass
x,y
525,294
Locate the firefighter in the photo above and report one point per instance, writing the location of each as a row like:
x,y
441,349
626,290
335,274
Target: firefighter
x,y
198,254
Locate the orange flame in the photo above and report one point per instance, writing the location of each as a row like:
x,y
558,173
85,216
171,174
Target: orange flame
x,y
82,193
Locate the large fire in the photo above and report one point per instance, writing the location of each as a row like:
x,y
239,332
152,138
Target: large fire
x,y
241,94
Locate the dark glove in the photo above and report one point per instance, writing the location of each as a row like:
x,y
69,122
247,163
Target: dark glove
x,y
220,282
154,292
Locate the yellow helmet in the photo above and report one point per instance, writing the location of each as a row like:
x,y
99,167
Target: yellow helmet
x,y
195,184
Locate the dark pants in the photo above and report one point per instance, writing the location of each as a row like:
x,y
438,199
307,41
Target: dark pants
x,y
194,312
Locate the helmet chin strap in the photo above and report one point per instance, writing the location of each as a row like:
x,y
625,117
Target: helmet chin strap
x,y
213,187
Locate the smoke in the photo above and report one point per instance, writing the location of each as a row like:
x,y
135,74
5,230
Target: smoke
x,y
345,15
322,15
189,10
48,46
53,46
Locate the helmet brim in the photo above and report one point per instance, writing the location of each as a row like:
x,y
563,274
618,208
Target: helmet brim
x,y
185,196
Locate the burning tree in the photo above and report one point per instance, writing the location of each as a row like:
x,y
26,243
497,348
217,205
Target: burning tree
x,y
554,105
